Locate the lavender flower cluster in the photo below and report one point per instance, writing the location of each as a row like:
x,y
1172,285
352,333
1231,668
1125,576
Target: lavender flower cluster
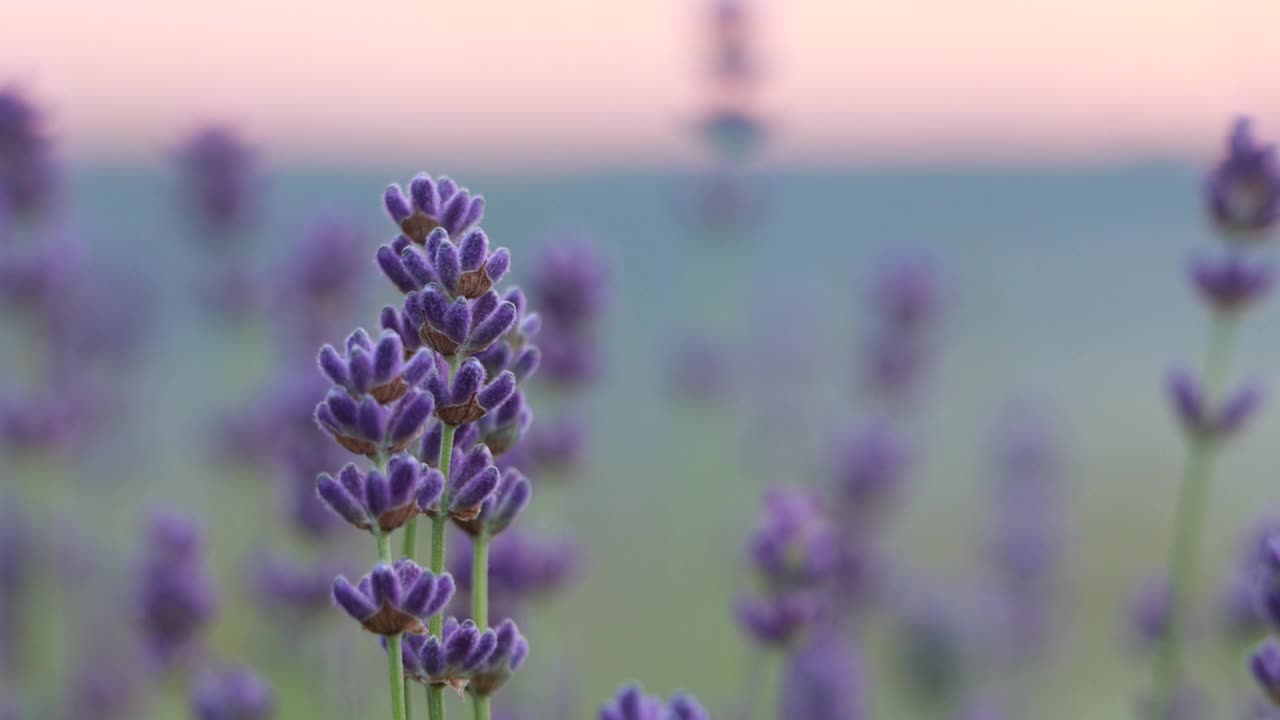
x,y
434,405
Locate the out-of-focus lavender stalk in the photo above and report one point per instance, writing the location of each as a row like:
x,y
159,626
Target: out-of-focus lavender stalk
x,y
1243,197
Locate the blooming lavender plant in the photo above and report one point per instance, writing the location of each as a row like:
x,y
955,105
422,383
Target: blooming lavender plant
x,y
443,377
1241,198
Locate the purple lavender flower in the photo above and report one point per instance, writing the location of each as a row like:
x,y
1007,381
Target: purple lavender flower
x,y
1243,191
175,597
366,427
1211,424
794,546
509,653
467,270
473,479
502,429
220,181
1232,283
470,395
777,620
631,703
797,553
432,204
501,507
235,694
457,326
870,469
451,659
27,176
394,599
381,502
380,371
823,681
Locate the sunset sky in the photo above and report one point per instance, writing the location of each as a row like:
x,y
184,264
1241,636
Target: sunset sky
x,y
564,83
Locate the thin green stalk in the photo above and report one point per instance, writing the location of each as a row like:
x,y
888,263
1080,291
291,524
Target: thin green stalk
x,y
395,661
439,523
1192,507
435,702
480,605
480,581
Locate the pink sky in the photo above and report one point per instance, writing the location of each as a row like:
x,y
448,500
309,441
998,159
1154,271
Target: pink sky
x,y
570,82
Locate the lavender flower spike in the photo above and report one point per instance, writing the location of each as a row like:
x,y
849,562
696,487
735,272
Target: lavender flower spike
x,y
432,204
1243,191
380,502
236,694
394,599
468,398
1265,664
451,659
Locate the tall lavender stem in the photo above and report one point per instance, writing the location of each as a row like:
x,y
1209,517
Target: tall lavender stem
x,y
1193,500
1243,194
480,604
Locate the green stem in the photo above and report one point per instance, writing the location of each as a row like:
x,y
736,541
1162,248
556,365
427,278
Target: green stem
x,y
480,605
435,702
439,523
1192,507
480,581
395,661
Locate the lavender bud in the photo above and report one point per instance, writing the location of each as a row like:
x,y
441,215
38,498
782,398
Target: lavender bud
x,y
1232,283
1243,191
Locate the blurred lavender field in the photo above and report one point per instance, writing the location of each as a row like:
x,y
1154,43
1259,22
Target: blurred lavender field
x,y
1061,290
